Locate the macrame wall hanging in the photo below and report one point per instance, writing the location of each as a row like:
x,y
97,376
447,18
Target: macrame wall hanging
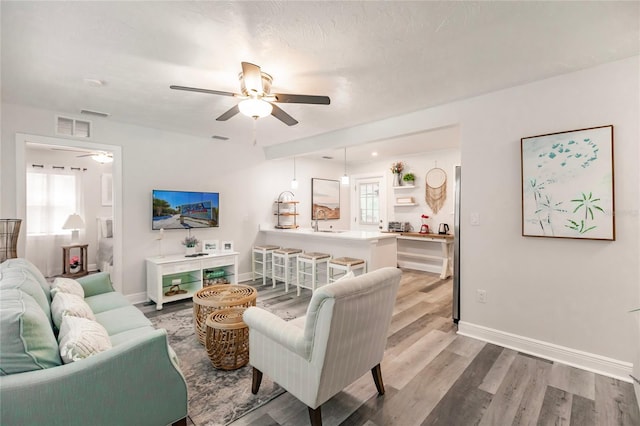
x,y
436,188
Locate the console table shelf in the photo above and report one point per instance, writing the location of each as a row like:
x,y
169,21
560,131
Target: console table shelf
x,y
176,277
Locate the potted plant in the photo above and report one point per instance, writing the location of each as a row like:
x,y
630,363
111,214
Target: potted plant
x,y
190,243
409,178
74,264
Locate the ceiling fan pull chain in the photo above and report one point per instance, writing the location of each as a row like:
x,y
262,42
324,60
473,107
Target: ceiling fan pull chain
x,y
255,138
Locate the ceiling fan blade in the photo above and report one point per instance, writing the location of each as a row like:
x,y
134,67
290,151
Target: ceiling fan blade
x,y
252,78
68,150
209,91
301,99
230,113
278,113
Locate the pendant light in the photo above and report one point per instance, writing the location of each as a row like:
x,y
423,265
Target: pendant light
x,y
294,182
345,179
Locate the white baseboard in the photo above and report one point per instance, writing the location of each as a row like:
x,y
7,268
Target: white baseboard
x,y
587,361
137,298
245,276
420,266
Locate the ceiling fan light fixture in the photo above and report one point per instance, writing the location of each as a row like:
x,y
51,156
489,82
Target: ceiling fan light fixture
x,y
102,158
255,108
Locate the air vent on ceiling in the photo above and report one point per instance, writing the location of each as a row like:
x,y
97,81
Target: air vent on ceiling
x,y
96,113
222,138
73,127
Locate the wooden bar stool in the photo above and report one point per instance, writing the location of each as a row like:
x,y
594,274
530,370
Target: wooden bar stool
x,y
345,265
261,262
284,264
308,267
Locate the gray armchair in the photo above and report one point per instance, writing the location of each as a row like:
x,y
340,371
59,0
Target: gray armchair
x,y
344,336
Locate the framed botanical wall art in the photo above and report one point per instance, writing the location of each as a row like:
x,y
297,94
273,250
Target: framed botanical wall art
x,y
325,199
567,184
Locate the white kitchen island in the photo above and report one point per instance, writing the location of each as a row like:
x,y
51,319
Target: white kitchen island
x,y
376,248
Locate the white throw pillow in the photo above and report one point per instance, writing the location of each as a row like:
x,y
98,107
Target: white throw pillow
x,y
69,304
67,285
80,338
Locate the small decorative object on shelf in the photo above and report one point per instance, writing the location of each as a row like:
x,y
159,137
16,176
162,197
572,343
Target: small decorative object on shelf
x,y
286,211
409,178
396,169
74,264
190,242
159,239
424,229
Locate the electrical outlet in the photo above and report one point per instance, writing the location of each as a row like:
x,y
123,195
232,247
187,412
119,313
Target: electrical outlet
x,y
475,219
481,296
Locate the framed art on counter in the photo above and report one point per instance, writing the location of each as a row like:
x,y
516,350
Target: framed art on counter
x,y
210,246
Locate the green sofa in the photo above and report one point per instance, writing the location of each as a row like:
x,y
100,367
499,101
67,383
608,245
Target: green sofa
x,y
135,382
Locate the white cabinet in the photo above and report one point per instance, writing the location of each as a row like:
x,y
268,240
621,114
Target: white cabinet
x,y
176,277
420,252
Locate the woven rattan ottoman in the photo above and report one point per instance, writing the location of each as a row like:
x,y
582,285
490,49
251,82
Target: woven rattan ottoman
x,y
213,297
227,339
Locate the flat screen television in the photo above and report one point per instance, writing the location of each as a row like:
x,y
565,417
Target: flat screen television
x,y
184,209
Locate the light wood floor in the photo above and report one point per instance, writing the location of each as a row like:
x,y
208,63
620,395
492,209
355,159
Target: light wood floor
x,y
434,377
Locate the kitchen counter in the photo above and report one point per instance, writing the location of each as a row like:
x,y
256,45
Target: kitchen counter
x,y
378,249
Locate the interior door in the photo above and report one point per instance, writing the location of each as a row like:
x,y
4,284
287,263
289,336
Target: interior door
x,y
369,203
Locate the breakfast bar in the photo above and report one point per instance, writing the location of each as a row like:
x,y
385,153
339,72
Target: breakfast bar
x,y
376,248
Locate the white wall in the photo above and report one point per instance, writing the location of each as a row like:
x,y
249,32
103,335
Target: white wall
x,y
419,165
573,293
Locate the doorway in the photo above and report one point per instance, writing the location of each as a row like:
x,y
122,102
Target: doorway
x,y
23,140
368,205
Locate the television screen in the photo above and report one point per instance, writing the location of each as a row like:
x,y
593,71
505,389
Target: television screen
x,y
183,209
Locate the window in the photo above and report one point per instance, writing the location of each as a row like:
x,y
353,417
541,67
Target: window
x,y
51,198
369,203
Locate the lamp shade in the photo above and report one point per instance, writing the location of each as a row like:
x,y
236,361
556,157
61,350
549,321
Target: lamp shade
x,y
74,221
255,108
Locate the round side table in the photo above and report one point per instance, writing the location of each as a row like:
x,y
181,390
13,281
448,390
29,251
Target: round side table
x,y
227,339
211,298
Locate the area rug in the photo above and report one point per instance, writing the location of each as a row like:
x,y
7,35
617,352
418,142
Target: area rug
x,y
216,397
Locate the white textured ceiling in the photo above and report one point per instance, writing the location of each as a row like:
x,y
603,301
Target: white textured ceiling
x,y
373,59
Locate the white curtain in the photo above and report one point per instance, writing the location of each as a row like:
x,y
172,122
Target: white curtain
x,y
53,193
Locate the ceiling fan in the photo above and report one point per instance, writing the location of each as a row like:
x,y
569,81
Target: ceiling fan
x,y
257,99
99,156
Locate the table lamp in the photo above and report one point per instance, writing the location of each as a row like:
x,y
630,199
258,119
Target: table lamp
x,y
75,223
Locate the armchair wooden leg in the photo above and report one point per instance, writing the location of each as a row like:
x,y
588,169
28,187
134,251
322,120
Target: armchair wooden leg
x,y
256,380
181,422
315,416
377,378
